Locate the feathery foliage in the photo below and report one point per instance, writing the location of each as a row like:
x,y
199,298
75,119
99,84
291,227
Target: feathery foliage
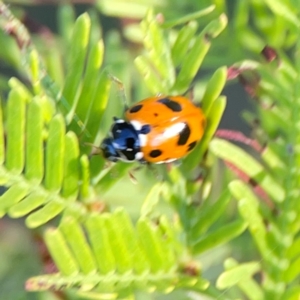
x,y
119,258
167,234
44,184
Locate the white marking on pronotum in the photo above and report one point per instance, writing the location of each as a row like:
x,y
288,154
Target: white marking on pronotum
x,y
173,130
136,124
139,156
143,140
119,121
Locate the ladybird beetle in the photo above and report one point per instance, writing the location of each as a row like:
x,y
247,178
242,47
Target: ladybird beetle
x,y
155,130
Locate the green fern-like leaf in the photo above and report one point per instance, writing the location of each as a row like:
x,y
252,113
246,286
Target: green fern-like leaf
x,y
45,183
115,257
48,174
186,54
42,161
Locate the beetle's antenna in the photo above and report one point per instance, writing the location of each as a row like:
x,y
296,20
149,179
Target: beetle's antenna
x,y
96,150
190,92
121,90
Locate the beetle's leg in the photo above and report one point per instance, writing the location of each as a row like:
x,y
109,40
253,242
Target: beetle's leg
x,y
121,90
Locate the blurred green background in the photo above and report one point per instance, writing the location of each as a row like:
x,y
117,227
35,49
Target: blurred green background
x,y
18,247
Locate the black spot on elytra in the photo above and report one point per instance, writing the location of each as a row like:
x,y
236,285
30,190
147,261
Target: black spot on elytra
x,y
184,135
192,145
173,105
155,114
155,153
135,108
